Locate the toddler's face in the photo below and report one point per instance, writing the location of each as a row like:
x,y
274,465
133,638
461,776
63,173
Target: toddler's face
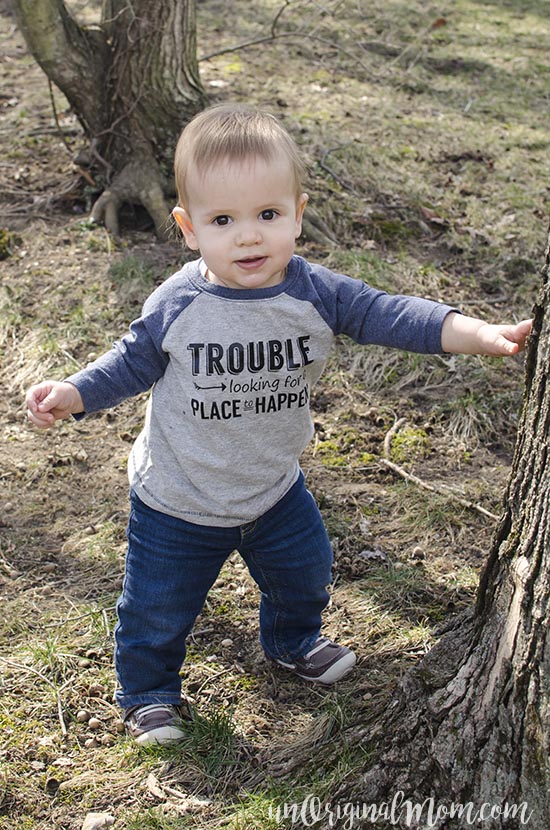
x,y
244,218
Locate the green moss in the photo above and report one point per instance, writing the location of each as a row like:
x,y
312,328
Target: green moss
x,y
330,454
409,443
8,241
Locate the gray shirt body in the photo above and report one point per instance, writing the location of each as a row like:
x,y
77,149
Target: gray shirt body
x,y
231,372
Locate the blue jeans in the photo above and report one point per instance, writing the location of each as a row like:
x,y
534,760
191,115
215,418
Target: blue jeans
x,y
172,564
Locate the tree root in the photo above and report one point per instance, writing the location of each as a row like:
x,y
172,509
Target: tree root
x,y
140,181
316,230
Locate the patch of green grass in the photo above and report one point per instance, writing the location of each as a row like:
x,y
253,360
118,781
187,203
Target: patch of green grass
x,y
104,542
256,811
23,823
209,743
129,270
464,578
133,280
153,819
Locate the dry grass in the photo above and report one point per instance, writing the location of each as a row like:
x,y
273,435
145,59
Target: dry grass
x,y
427,148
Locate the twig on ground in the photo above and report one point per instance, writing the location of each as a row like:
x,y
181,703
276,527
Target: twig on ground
x,y
389,436
68,620
424,484
419,39
13,665
275,35
420,482
280,35
324,166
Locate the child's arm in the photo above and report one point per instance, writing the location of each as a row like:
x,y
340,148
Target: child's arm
x,y
466,335
52,400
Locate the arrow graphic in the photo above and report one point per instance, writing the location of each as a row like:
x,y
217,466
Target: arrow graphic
x,y
222,386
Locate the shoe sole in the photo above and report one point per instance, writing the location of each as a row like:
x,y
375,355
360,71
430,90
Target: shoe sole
x,y
163,735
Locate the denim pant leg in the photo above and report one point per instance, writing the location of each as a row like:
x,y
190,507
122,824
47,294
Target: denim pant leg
x,y
289,555
171,565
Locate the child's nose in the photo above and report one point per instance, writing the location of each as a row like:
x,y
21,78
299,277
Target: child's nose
x,y
248,235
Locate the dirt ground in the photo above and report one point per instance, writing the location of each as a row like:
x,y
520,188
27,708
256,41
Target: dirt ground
x,y
427,148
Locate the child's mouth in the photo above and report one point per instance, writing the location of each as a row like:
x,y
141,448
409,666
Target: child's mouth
x,y
249,263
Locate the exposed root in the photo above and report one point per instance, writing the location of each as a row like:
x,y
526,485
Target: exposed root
x,y
139,181
316,230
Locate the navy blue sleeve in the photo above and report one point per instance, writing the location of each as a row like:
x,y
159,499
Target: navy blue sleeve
x,y
370,316
138,360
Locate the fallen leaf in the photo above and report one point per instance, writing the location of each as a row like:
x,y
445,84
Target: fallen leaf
x,y
98,821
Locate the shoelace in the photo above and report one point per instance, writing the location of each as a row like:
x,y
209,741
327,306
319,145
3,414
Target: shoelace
x,y
150,709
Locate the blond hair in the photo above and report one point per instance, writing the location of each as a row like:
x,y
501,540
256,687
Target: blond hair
x,y
232,133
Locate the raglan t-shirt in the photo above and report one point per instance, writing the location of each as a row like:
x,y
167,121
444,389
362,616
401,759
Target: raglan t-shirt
x,y
231,372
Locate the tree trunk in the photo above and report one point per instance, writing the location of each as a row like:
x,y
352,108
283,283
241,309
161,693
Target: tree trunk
x,y
470,724
133,83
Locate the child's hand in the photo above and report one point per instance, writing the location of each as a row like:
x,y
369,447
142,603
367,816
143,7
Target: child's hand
x,y
51,401
466,335
504,340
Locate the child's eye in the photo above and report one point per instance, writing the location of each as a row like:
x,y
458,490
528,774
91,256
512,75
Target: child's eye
x,y
221,221
268,214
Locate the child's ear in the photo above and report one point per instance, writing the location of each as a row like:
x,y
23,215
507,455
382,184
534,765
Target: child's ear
x,y
184,221
300,207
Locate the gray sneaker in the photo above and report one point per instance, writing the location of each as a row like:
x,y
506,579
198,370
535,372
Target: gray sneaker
x,y
155,723
325,663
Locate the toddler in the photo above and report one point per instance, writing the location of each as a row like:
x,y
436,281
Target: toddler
x,y
232,345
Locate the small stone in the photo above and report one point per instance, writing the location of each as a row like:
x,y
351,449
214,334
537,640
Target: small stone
x,y
119,726
96,690
84,664
83,716
94,723
227,643
49,567
418,553
107,740
98,821
375,555
90,743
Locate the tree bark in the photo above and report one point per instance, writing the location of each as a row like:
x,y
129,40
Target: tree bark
x,y
72,57
471,722
133,83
